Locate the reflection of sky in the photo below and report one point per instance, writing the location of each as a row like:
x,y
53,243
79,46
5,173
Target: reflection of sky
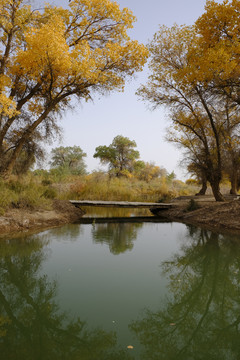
x,y
101,287
91,125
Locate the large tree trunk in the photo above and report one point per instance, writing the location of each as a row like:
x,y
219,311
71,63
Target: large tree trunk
x,y
204,185
202,190
216,189
7,170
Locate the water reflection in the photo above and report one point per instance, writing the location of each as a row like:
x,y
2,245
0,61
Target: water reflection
x,y
91,211
200,318
70,232
31,324
118,236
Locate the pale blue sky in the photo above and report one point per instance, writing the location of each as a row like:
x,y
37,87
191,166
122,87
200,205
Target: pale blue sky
x,y
92,124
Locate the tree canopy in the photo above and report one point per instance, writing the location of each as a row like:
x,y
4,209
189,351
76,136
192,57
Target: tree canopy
x,y
50,55
195,74
120,155
69,159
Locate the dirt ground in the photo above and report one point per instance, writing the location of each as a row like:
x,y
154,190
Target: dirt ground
x,y
210,214
19,220
221,216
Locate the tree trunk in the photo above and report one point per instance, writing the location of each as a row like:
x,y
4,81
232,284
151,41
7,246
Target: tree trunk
x,y
234,182
204,186
216,190
202,190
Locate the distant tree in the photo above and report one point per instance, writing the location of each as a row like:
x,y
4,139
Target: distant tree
x,y
120,155
69,159
149,171
171,176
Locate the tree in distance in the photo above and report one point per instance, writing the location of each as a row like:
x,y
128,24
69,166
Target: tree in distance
x,y
148,171
51,55
120,155
69,160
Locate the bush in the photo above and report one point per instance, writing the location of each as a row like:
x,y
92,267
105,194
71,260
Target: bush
x,y
192,182
193,205
50,193
7,198
46,182
16,186
22,194
31,199
101,187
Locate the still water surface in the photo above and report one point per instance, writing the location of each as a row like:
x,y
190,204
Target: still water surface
x,y
118,291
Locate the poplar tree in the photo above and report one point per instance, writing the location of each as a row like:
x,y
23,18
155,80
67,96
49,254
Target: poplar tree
x,y
51,55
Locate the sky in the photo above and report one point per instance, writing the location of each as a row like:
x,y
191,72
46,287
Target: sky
x,y
96,123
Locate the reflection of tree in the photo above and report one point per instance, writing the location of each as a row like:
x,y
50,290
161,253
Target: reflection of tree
x,y
118,236
70,231
32,326
201,320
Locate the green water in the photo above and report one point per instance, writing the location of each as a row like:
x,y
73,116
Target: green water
x,y
89,291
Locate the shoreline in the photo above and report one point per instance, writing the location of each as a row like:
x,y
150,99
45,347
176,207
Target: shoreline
x,y
22,220
222,217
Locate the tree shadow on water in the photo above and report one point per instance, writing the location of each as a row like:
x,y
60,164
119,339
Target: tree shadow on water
x,y
118,236
32,326
200,318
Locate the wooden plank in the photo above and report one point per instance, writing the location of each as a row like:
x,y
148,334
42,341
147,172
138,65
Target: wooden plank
x,y
125,204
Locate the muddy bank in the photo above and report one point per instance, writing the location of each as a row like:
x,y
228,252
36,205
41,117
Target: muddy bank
x,y
223,217
18,220
210,214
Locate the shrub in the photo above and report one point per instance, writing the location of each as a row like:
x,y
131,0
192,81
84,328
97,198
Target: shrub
x,y
16,186
50,193
31,200
46,182
193,205
7,197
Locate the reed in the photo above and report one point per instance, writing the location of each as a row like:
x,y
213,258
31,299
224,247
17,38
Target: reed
x,y
36,190
95,187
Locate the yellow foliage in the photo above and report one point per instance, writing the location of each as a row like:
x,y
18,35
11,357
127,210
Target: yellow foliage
x,y
45,48
49,55
85,44
217,51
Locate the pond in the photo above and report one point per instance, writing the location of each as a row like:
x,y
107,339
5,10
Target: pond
x,y
120,291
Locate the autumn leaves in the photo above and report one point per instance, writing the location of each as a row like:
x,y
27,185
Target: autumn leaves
x,y
51,55
195,74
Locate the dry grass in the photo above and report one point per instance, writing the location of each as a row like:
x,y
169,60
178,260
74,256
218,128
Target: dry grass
x,y
36,190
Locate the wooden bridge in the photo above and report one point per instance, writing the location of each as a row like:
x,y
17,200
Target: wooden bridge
x,y
154,207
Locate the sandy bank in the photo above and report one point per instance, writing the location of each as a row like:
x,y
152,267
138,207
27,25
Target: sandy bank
x,y
221,216
17,220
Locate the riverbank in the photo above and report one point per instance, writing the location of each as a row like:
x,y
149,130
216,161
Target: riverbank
x,y
220,216
20,220
209,214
